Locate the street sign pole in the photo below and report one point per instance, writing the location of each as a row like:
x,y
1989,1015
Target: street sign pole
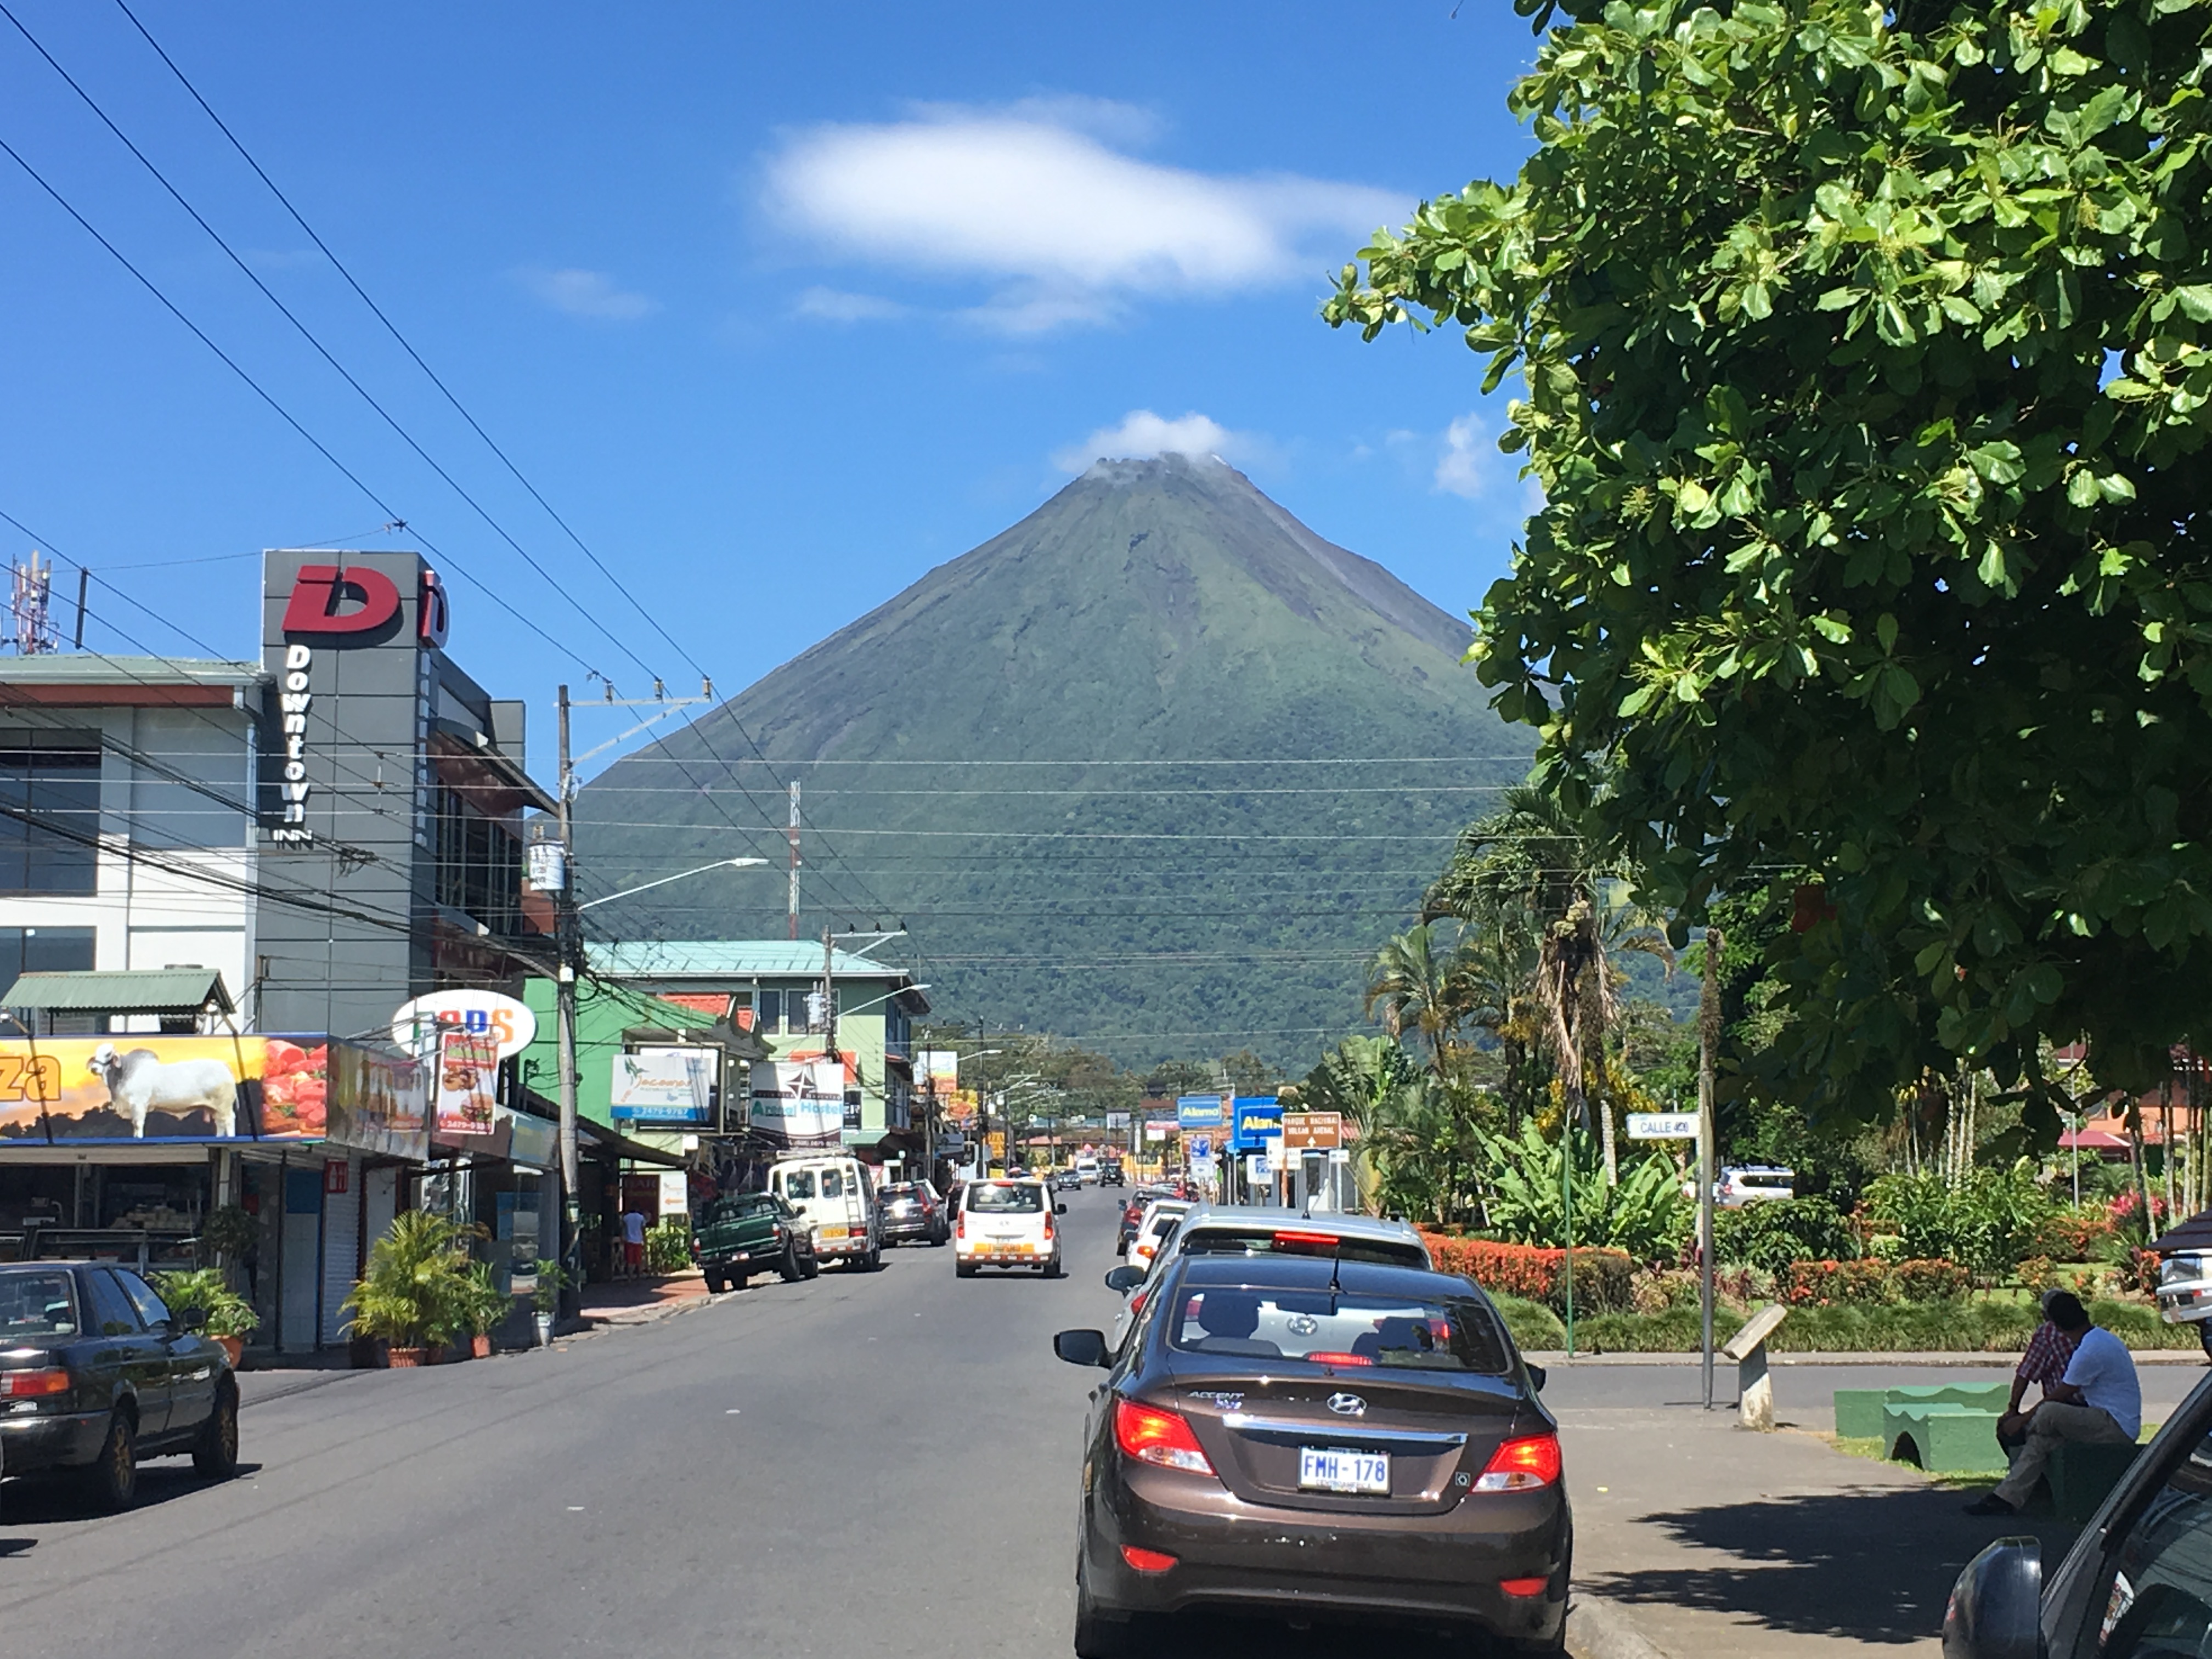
x,y
1709,1033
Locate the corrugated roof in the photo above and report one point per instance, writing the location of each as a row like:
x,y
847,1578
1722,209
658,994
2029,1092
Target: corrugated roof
x,y
726,958
122,991
98,668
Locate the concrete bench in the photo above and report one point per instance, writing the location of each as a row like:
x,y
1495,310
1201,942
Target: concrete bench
x,y
1858,1411
2080,1475
1949,1437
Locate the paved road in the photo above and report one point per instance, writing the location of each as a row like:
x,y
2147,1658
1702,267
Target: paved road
x,y
862,1465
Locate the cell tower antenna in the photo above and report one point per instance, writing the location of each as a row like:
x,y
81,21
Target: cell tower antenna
x,y
29,606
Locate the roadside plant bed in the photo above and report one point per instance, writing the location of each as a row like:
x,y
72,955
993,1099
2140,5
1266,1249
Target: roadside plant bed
x,y
1958,1325
1604,1279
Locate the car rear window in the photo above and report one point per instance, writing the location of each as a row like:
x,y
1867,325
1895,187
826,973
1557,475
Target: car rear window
x,y
1281,1241
738,1207
1338,1328
38,1304
1006,1198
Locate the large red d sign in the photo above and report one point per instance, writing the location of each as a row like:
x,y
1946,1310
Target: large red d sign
x,y
320,589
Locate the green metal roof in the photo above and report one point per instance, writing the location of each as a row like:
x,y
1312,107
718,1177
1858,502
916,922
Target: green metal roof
x,y
126,990
98,668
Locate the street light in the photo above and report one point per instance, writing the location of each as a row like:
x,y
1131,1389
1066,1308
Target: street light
x,y
631,892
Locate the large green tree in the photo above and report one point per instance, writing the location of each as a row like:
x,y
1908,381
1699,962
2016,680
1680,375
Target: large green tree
x,y
1867,383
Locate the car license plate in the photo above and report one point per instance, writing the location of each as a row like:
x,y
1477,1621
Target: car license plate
x,y
1344,1471
834,1232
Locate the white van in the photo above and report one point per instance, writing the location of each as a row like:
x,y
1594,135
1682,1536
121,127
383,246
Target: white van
x,y
835,1194
1086,1170
1007,1222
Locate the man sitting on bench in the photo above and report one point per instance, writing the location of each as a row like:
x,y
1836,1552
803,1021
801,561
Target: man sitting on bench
x,y
2098,1402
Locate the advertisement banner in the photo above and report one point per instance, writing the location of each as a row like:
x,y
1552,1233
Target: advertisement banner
x,y
937,1071
378,1102
1256,1117
1199,1111
798,1102
664,1086
477,1012
132,1087
1158,1129
468,1071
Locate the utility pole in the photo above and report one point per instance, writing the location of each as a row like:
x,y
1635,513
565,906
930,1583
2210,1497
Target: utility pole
x,y
1709,1038
568,944
791,900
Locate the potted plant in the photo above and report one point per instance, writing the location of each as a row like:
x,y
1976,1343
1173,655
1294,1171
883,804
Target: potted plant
x,y
228,1235
552,1281
224,1314
412,1293
482,1305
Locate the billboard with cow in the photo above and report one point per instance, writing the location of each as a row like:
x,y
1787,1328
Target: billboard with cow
x,y
130,1086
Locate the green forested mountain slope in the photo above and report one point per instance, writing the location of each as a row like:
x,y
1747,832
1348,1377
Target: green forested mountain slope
x,y
965,749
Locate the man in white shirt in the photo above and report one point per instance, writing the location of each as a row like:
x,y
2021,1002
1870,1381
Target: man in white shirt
x,y
2098,1402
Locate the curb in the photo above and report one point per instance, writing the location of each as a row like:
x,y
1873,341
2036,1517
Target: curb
x,y
1932,1359
1599,1629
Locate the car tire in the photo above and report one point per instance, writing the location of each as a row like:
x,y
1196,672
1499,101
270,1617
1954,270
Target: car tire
x,y
714,1283
112,1481
813,1268
215,1453
2205,1336
1053,1269
872,1262
788,1269
965,1269
736,1281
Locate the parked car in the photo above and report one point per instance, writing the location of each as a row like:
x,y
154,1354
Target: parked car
x,y
914,1214
834,1195
1753,1183
2133,1585
98,1374
1153,1228
1319,1435
1133,1211
745,1233
1007,1223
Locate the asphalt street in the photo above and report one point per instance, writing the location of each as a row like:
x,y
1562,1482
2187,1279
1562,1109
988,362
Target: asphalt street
x,y
860,1465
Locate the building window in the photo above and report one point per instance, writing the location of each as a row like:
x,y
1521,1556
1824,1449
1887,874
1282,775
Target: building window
x,y
771,1012
44,950
479,865
49,812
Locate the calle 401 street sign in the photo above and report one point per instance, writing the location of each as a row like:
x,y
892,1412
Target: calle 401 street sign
x,y
1663,1126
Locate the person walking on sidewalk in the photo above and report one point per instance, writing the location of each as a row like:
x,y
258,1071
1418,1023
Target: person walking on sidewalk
x,y
2099,1402
633,1226
2049,1351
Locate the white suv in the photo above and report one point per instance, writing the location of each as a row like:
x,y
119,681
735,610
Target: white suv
x,y
1006,1223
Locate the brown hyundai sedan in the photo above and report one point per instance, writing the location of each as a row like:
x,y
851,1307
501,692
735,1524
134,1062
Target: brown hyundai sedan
x,y
1308,1437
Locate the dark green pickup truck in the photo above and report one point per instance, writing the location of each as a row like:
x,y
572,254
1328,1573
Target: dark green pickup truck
x,y
749,1233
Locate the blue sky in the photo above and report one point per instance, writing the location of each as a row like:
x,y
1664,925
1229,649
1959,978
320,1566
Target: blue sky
x,y
778,306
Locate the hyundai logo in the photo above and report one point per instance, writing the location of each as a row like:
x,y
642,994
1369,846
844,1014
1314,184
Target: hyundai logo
x,y
1347,1404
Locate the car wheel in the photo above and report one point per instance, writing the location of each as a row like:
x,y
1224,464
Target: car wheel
x,y
215,1454
965,1269
112,1482
2205,1336
714,1282
813,1268
787,1269
1052,1268
736,1281
873,1261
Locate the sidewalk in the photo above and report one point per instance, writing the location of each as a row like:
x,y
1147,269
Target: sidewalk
x,y
1703,1538
638,1300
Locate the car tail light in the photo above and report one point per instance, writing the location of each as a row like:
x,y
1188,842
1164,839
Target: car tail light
x,y
1137,1303
1523,1586
960,1228
1330,1357
1146,1560
33,1385
1047,1226
1322,1241
1153,1435
1522,1464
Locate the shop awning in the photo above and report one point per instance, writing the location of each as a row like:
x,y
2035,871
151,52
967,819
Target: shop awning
x,y
123,991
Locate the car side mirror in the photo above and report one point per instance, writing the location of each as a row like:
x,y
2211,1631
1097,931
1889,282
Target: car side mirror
x,y
1125,1278
1082,1347
1996,1606
1060,1209
1537,1376
189,1319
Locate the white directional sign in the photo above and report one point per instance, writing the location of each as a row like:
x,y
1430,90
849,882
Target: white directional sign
x,y
1663,1126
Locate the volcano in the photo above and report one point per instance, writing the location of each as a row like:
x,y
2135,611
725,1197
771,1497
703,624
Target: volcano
x,y
1157,769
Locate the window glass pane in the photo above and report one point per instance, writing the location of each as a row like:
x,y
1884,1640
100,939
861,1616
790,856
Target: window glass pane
x,y
36,1304
771,1011
833,1184
111,1314
1005,1198
151,1308
49,785
1383,1331
2160,1600
799,1183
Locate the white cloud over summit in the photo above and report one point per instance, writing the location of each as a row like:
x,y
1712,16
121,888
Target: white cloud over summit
x,y
1141,435
1036,202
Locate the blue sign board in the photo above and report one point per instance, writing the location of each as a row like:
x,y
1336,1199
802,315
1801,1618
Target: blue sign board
x,y
1199,1112
1257,1118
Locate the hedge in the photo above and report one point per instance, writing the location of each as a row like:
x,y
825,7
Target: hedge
x,y
1603,1278
1823,1284
1956,1326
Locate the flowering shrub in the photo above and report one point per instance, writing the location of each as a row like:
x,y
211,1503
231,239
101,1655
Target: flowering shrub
x,y
1604,1279
1821,1284
2075,1235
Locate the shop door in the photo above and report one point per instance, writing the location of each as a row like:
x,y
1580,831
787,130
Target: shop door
x,y
302,1242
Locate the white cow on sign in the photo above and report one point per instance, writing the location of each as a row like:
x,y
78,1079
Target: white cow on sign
x,y
139,1080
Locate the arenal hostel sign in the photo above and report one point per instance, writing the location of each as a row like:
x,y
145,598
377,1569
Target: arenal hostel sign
x,y
335,607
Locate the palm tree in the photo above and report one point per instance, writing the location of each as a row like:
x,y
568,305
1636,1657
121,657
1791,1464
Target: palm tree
x,y
1419,990
1496,967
